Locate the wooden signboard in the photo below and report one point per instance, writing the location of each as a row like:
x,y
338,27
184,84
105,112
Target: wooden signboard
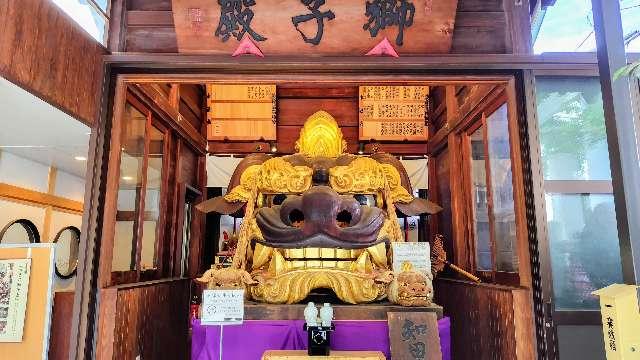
x,y
329,28
241,112
414,335
393,113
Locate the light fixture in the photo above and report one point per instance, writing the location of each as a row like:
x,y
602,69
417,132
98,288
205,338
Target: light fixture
x,y
274,147
127,178
360,148
81,158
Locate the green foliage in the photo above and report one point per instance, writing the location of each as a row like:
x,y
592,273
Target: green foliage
x,y
570,125
632,69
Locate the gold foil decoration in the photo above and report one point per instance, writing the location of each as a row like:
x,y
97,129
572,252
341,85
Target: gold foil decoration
x,y
279,176
294,286
321,136
275,175
366,175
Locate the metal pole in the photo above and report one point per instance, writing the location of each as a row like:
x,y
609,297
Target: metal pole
x,y
622,133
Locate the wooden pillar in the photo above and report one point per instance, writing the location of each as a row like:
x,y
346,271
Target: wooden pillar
x,y
622,133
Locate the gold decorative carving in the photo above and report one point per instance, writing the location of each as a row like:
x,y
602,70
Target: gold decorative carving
x,y
273,176
279,176
294,286
248,179
321,136
366,175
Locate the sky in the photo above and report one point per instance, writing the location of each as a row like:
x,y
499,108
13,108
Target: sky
x,y
568,26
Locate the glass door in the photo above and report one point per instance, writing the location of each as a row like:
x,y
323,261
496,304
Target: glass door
x,y
582,244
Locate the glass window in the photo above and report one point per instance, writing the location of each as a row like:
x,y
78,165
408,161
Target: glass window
x,y
492,194
504,216
152,198
585,254
484,257
583,238
567,26
138,229
91,15
572,132
130,186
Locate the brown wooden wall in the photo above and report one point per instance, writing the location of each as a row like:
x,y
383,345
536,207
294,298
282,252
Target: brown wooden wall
x,y
61,320
482,26
296,103
150,320
487,321
48,54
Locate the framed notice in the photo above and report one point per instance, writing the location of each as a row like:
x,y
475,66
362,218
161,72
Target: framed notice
x,y
241,112
14,291
393,113
222,307
417,254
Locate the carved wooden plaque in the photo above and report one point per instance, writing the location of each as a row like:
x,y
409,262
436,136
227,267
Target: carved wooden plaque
x,y
329,28
414,335
393,113
241,112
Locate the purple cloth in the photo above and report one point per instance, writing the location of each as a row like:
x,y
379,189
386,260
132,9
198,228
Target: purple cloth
x,y
251,339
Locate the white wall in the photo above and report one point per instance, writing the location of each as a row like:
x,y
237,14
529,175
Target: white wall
x,y
25,173
22,172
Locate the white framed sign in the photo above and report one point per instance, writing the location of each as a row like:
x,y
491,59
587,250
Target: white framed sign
x,y
222,307
14,291
417,254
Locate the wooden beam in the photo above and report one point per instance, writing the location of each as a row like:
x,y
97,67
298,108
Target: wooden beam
x,y
48,211
36,197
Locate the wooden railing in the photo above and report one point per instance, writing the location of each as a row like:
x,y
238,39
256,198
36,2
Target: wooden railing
x,y
488,321
149,319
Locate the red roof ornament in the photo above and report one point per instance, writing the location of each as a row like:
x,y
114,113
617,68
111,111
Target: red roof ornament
x,y
384,48
247,47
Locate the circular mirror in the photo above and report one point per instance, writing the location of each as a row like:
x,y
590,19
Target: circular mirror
x,y
67,243
21,231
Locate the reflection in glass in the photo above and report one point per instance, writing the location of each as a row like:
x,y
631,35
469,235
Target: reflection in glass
x,y
66,255
481,223
152,198
585,254
20,231
572,132
129,190
503,211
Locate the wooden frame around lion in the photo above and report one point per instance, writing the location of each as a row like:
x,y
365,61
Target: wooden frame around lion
x,y
341,78
122,70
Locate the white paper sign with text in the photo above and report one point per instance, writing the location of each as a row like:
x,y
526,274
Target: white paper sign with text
x,y
416,253
222,307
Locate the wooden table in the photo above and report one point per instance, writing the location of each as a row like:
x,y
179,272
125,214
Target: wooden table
x,y
335,355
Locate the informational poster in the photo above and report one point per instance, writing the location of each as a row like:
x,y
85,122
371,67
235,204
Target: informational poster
x,y
222,307
14,290
417,254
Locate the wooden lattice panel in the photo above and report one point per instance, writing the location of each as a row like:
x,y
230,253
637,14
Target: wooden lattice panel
x,y
393,113
241,112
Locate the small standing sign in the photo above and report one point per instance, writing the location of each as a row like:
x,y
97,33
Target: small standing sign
x,y
222,307
414,335
417,254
